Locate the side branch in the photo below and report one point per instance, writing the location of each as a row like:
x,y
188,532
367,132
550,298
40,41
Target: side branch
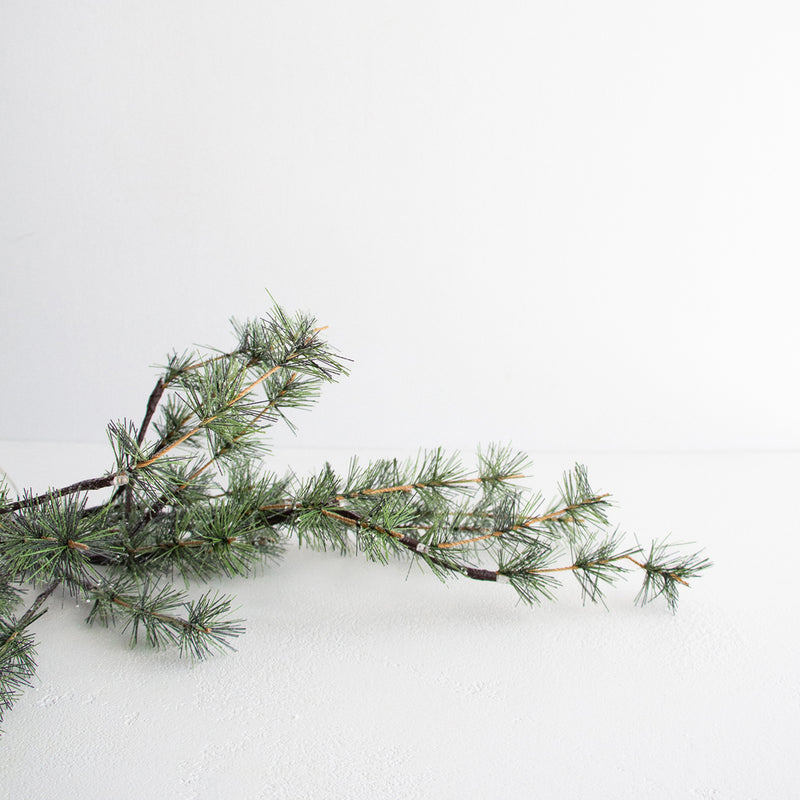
x,y
132,608
208,420
600,563
30,615
251,363
410,543
251,426
562,513
410,487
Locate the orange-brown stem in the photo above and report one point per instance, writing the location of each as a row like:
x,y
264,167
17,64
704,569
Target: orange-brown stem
x,y
561,513
409,487
573,567
208,420
255,419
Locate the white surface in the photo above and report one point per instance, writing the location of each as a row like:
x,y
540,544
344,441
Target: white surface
x,y
357,681
570,225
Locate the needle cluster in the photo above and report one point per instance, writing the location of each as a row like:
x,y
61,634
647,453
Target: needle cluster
x,y
186,499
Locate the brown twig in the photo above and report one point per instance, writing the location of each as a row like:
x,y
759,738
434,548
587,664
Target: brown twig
x,y
152,405
81,486
28,616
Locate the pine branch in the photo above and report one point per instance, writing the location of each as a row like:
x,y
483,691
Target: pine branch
x,y
192,503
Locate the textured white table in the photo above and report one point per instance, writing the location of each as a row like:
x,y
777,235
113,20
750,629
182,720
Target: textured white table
x,y
356,680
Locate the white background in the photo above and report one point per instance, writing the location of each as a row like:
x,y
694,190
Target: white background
x,y
571,226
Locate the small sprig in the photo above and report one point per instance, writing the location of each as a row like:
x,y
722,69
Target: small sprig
x,y
152,611
665,569
596,563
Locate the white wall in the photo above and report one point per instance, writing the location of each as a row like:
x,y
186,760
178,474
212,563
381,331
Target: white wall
x,y
570,225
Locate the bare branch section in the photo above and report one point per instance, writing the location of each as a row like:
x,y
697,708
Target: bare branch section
x,y
152,405
74,488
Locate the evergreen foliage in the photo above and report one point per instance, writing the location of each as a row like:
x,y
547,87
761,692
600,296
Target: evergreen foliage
x,y
191,501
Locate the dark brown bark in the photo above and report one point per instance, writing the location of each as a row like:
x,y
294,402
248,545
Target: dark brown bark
x,y
81,486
